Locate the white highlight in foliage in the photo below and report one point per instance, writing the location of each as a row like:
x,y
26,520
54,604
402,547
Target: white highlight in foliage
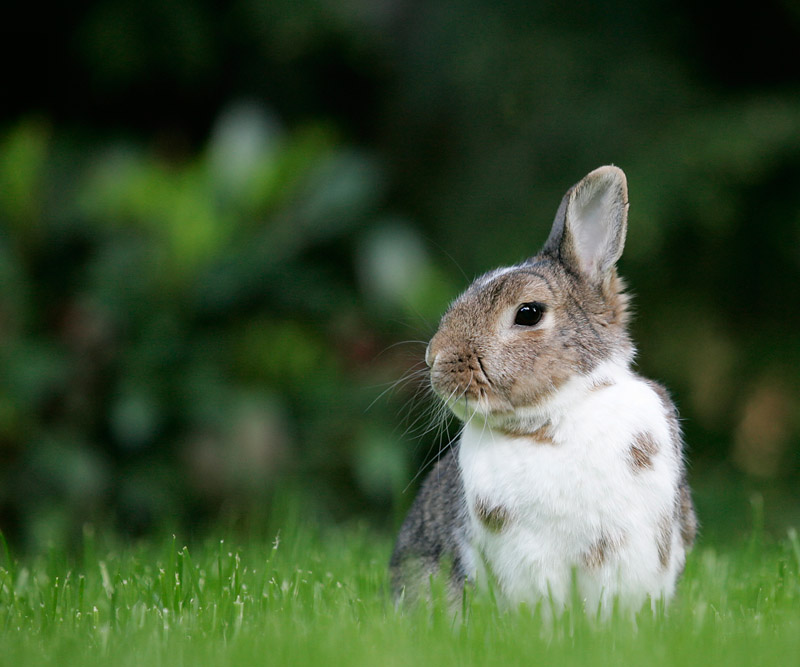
x,y
244,136
392,259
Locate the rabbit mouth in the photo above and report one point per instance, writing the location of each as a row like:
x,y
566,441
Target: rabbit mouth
x,y
469,408
471,398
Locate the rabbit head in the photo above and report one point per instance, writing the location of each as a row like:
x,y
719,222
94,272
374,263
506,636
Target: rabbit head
x,y
519,333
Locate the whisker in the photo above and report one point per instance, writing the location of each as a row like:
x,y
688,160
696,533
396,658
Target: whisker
x,y
442,416
397,344
443,250
424,467
407,377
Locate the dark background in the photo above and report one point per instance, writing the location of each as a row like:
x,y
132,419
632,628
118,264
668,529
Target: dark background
x,y
219,219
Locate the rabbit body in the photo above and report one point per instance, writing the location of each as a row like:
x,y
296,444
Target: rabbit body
x,y
569,468
580,501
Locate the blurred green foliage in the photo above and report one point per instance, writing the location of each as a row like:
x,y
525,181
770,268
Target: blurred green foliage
x,y
217,224
177,336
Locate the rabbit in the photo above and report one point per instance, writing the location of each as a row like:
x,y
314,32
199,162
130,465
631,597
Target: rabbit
x,y
569,469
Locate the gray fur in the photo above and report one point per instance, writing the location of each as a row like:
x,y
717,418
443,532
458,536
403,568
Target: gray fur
x,y
434,532
684,507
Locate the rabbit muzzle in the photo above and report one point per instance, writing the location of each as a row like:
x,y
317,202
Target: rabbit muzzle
x,y
459,378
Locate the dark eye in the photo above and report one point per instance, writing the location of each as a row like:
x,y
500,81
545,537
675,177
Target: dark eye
x,y
529,314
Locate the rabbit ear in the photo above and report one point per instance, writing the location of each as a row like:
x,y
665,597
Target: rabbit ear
x,y
589,229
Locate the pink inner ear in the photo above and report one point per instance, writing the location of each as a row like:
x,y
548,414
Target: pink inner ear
x,y
595,218
592,233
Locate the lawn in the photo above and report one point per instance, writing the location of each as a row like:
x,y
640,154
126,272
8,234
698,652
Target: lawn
x,y
311,594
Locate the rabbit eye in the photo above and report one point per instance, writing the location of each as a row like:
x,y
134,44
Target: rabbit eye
x,y
529,314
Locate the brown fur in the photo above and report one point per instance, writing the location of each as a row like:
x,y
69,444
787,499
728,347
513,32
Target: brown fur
x,y
618,300
643,449
686,515
526,364
601,384
595,557
494,518
541,436
664,540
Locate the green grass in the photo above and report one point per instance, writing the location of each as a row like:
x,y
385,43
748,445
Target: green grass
x,y
318,596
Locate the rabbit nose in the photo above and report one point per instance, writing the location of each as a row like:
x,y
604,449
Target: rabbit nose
x,y
429,356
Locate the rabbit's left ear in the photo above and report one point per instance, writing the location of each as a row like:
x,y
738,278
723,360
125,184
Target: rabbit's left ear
x,y
588,232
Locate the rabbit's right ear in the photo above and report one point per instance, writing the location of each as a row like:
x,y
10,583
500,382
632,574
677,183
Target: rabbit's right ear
x,y
588,232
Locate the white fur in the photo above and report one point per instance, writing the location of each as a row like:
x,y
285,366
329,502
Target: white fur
x,y
563,496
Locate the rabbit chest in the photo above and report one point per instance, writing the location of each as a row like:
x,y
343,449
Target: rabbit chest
x,y
590,497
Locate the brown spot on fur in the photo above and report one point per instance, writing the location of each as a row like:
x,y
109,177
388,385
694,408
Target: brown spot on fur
x,y
494,519
596,556
686,515
597,385
541,436
664,540
643,449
